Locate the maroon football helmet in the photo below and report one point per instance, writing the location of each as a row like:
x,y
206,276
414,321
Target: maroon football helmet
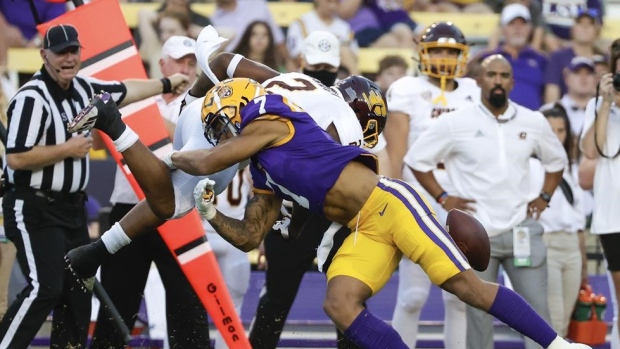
x,y
368,103
443,35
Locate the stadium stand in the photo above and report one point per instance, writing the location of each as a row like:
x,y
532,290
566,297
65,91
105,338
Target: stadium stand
x,y
477,27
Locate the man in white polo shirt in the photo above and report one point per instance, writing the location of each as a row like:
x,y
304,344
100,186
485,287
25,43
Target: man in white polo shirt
x,y
177,56
486,149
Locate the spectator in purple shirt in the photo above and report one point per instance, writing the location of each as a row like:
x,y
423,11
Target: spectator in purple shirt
x,y
18,27
584,34
527,64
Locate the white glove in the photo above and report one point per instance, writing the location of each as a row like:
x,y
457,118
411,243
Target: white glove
x,y
167,159
207,43
282,225
204,197
560,343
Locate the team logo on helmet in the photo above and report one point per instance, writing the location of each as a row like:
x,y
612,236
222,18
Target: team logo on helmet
x,y
224,92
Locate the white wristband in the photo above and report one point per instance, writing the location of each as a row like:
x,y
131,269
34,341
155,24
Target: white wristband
x,y
167,159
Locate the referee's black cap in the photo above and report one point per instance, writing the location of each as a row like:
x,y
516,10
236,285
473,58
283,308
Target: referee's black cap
x,y
59,37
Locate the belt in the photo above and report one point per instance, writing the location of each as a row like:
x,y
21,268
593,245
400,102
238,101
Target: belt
x,y
52,195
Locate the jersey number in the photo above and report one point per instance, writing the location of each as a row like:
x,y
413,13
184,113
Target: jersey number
x,y
233,191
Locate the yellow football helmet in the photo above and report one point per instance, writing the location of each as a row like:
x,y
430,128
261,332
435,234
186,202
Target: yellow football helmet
x,y
221,110
443,35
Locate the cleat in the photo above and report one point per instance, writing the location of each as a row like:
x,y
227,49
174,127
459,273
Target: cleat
x,y
84,261
100,113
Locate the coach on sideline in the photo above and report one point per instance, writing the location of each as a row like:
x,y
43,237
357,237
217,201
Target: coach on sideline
x,y
48,168
486,148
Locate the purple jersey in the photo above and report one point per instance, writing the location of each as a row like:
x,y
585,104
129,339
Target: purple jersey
x,y
304,167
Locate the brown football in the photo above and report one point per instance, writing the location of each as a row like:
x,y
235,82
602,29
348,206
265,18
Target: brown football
x,y
470,237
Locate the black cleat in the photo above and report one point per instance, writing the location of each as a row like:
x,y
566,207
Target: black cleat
x,y
84,261
101,113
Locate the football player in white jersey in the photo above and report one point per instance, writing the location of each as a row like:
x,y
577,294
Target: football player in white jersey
x,y
415,103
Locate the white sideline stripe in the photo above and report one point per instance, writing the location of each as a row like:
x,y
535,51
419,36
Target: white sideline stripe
x,y
23,309
110,61
194,253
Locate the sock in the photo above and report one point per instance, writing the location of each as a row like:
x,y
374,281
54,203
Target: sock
x,y
368,331
514,311
115,238
125,140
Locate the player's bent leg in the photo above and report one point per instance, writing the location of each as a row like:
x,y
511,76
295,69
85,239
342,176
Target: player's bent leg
x,y
507,306
413,290
150,172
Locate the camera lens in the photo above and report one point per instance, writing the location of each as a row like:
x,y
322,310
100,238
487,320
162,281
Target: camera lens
x,y
616,82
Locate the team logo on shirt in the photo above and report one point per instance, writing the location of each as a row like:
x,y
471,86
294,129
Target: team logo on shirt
x,y
438,111
522,135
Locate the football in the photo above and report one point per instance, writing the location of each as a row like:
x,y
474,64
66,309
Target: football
x,y
470,237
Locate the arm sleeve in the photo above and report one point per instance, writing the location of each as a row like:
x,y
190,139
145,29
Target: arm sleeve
x,y
27,118
549,149
117,89
431,147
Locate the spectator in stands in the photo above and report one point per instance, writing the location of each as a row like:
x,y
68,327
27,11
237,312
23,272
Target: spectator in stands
x,y
528,64
324,17
154,29
584,33
18,24
196,20
257,44
369,31
580,79
391,68
560,16
600,145
467,6
232,17
563,223
538,26
124,275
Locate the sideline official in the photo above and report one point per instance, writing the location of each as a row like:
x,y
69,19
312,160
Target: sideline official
x,y
48,169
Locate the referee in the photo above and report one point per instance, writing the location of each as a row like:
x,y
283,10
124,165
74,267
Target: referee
x,y
47,171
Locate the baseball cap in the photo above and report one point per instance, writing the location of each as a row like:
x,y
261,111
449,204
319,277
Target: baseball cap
x,y
321,47
599,59
59,37
514,11
580,62
178,47
593,13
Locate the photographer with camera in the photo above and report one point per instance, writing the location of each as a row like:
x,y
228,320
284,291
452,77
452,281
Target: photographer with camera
x,y
601,141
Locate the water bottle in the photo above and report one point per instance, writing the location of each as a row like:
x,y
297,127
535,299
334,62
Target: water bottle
x,y
600,304
583,308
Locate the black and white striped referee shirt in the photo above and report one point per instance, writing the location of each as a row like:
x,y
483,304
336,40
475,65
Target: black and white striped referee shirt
x,y
38,115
